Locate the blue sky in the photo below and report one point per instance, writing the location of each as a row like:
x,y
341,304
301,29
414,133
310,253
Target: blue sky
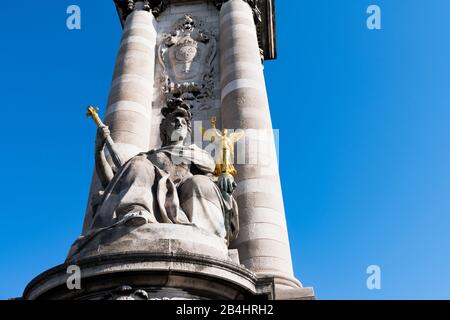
x,y
364,139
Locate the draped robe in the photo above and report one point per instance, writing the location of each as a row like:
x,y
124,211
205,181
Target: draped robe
x,y
175,184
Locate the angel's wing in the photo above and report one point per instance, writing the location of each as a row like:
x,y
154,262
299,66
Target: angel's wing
x,y
236,136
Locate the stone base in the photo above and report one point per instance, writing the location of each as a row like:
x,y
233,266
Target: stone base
x,y
154,262
144,276
295,294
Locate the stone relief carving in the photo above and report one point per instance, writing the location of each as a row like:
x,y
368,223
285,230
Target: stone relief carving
x,y
128,293
186,56
155,6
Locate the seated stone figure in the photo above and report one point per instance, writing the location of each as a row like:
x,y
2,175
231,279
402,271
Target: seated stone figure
x,y
174,184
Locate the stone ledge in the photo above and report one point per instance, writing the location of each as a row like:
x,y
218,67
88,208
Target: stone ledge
x,y
295,294
151,238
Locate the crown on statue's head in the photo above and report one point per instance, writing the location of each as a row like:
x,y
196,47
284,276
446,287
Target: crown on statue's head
x,y
177,107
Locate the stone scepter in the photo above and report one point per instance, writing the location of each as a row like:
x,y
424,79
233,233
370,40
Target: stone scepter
x,y
92,112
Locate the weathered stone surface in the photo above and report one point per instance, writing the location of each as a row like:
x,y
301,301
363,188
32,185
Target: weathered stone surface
x,y
205,99
295,294
152,276
264,15
245,106
154,238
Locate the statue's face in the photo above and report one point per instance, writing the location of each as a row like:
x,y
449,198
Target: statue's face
x,y
188,23
177,129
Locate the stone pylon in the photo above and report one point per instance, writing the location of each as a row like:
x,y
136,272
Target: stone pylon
x,y
209,54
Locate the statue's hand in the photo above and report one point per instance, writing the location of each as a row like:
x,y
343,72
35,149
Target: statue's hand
x,y
227,184
104,131
103,134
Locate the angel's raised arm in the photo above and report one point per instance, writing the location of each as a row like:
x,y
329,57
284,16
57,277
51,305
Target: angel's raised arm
x,y
211,134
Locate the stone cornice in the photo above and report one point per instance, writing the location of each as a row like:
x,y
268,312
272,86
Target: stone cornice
x,y
263,11
125,7
254,4
267,33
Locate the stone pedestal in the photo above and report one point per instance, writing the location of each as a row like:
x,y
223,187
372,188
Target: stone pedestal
x,y
154,262
157,262
148,276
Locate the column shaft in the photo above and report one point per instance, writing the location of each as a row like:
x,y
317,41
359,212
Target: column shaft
x,y
129,110
263,242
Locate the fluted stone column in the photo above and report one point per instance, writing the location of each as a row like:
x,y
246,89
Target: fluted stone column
x,y
129,109
263,242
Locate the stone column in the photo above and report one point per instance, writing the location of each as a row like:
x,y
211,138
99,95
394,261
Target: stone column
x,y
263,242
129,109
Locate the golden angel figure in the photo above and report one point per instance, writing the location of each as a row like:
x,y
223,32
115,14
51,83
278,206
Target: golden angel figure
x,y
225,142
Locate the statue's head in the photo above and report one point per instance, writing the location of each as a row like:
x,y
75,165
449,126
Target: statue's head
x,y
188,23
176,124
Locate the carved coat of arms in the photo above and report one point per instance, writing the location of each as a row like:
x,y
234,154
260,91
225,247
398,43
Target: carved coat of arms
x,y
187,56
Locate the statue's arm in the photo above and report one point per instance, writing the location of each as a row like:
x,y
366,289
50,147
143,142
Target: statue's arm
x,y
217,135
104,171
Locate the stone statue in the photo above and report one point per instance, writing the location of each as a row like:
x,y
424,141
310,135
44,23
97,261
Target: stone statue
x,y
174,184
